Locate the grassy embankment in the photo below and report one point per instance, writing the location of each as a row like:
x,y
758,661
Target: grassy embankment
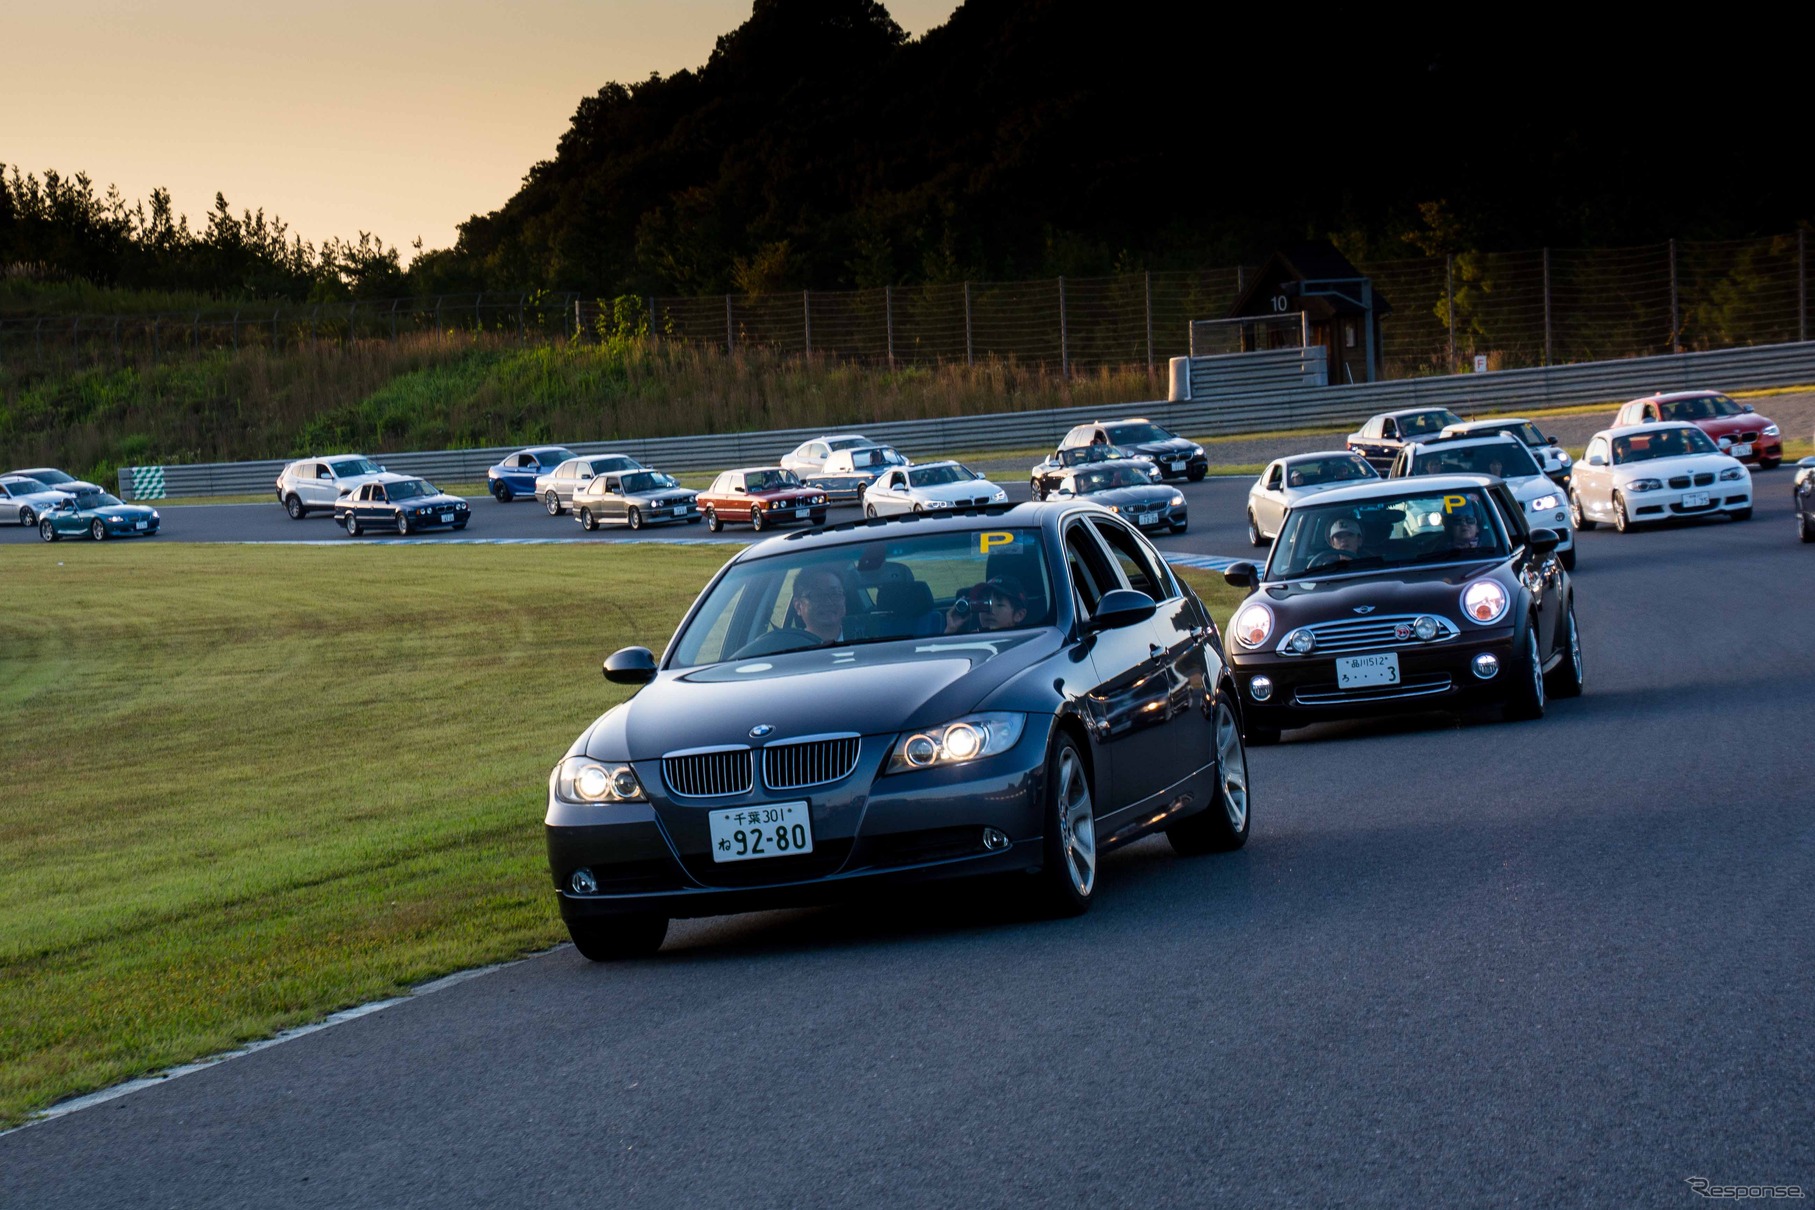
x,y
247,787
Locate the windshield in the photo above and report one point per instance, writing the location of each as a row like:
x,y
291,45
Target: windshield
x,y
901,588
97,500
770,481
875,456
1079,454
846,443
934,476
1661,443
409,489
1502,459
1386,531
1313,471
1133,434
649,481
613,462
346,467
1110,478
1418,423
552,455
1702,407
26,487
49,476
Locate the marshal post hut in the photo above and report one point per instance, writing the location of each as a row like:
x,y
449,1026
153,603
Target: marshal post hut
x,y
1335,304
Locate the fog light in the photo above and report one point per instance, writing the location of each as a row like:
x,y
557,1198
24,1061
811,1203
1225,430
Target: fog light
x,y
1260,688
1486,666
582,882
1299,642
995,840
1425,629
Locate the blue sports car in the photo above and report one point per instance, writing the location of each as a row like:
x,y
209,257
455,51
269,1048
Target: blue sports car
x,y
97,515
516,474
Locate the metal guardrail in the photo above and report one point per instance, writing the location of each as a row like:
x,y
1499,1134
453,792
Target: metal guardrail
x,y
1242,393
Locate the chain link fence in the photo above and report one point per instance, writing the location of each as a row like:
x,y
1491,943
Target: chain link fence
x,y
1548,306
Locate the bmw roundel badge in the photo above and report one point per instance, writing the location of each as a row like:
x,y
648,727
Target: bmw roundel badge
x,y
760,730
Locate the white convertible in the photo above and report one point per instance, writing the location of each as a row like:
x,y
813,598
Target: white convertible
x,y
934,487
1505,457
1286,481
1653,472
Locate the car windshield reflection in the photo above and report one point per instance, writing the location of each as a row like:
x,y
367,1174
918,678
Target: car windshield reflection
x,y
1391,531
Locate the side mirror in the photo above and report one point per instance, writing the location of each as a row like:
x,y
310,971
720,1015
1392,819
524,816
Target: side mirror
x,y
1551,439
1064,493
1122,607
630,666
976,474
1543,540
1806,462
1240,575
1746,407
1597,460
586,478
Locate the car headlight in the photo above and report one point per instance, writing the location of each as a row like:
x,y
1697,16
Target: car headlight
x,y
1253,623
1000,495
117,520
817,500
154,515
1143,458
938,503
1544,504
1485,602
1645,485
1563,458
1197,451
1115,508
1771,430
1732,473
970,738
583,779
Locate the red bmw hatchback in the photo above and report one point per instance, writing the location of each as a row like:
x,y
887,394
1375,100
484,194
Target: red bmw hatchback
x,y
1739,431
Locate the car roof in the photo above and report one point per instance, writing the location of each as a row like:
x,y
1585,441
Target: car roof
x,y
1472,425
1413,411
1124,420
1651,426
1671,396
1468,443
391,477
1294,459
1044,515
29,472
1371,488
1090,468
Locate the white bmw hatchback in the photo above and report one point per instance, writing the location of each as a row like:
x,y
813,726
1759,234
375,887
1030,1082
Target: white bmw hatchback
x,y
1653,472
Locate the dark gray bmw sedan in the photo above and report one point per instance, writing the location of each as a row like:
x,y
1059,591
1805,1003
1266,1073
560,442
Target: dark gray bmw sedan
x,y
1017,689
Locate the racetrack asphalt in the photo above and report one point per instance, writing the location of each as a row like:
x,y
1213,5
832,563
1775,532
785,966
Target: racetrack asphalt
x,y
1565,962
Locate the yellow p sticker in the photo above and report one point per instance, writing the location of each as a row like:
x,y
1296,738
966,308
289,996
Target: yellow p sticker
x,y
1452,503
987,540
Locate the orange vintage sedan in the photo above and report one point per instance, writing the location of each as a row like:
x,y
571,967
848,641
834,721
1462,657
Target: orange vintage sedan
x,y
763,496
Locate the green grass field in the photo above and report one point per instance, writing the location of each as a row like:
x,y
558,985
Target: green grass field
x,y
249,786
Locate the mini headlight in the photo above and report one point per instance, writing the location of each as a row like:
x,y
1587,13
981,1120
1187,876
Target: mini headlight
x,y
966,739
1425,629
1253,623
1544,504
1485,602
1732,473
583,779
1771,430
1645,485
1299,642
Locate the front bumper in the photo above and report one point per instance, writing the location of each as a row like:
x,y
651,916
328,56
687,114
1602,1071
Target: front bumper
x,y
1193,466
1667,504
1432,676
1166,516
130,529
869,831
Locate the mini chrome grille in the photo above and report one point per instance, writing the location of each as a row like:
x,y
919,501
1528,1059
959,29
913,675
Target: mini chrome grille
x,y
809,762
715,773
1367,634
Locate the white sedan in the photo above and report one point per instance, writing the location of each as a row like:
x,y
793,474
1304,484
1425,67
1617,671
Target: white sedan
x,y
1283,482
934,487
1653,472
1505,457
809,457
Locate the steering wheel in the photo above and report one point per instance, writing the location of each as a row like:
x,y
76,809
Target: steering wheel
x,y
1327,558
776,642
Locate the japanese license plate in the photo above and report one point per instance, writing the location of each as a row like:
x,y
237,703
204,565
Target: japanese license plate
x,y
767,830
1148,519
1695,499
1741,450
1178,466
1359,671
141,525
447,518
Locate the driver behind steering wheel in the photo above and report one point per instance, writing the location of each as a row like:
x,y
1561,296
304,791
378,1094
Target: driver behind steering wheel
x,y
1345,538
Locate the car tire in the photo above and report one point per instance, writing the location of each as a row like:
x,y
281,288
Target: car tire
x,y
693,520
98,530
1565,680
1578,516
552,503
1033,490
1222,826
1179,527
352,526
1196,474
27,517
869,510
1527,700
756,519
403,526
635,518
1621,520
501,492
1254,535
1741,514
1804,530
919,510
615,938
46,530
1068,876
294,506
817,518
587,521
1567,558
712,521
1769,464
461,524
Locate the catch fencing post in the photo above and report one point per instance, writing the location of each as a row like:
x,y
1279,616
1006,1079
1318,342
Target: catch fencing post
x,y
1147,282
195,331
969,359
394,303
274,315
728,338
1064,344
156,350
352,311
236,329
1802,286
438,318
1547,306
1675,320
477,325
888,320
652,326
117,354
806,314
1449,307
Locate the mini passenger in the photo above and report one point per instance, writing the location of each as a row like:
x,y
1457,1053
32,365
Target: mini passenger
x,y
1464,528
819,603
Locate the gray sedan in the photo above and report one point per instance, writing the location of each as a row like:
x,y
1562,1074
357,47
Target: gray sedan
x,y
557,489
634,498
1286,481
23,499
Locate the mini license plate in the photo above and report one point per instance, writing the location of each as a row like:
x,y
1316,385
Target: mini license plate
x,y
1695,499
447,518
141,525
766,830
1148,519
1742,450
1359,671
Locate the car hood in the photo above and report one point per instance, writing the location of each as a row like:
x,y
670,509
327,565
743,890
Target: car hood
x,y
661,498
136,512
964,489
1432,590
1664,468
439,500
1527,488
1733,426
1147,495
873,689
1294,494
1170,449
785,495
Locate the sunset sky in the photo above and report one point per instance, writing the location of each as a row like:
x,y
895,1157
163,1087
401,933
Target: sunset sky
x,y
399,117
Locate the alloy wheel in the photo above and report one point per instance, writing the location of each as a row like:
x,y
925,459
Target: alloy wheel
x,y
1231,768
98,531
1077,824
